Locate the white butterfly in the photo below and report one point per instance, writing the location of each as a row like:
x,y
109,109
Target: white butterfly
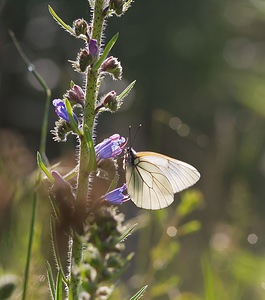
x,y
152,179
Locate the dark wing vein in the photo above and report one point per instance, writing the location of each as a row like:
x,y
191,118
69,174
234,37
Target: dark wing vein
x,y
148,187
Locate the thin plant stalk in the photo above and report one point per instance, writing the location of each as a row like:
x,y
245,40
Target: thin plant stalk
x,y
42,149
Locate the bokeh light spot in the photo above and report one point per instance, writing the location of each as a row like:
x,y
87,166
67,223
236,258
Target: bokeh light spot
x,y
220,241
172,231
183,130
174,123
252,238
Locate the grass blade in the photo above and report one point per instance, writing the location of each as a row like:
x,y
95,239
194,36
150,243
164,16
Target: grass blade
x,y
127,233
140,293
59,286
50,281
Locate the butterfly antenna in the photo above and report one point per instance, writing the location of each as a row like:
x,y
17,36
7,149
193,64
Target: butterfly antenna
x,y
130,137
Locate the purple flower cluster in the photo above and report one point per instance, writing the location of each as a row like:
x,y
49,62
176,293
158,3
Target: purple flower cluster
x,y
111,148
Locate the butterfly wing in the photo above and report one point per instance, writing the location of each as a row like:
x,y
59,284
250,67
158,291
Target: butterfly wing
x,y
180,174
147,186
152,179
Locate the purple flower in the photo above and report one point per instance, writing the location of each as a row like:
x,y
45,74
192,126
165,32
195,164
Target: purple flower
x,y
116,196
93,47
61,111
110,147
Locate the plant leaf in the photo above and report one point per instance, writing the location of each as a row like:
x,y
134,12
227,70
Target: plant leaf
x,y
127,232
190,201
124,94
60,21
59,286
73,123
92,164
43,167
50,281
189,227
106,51
139,294
72,84
56,252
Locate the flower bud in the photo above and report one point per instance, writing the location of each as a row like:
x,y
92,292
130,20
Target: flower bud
x,y
75,95
80,27
110,101
112,66
117,6
93,47
60,182
63,199
84,60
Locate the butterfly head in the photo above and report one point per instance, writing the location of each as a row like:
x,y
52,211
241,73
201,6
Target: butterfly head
x,y
129,156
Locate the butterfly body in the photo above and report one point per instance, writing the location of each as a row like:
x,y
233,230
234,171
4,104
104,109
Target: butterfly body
x,y
152,179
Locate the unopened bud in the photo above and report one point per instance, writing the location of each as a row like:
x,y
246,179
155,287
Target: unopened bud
x,y
80,27
112,66
75,95
85,59
93,47
109,101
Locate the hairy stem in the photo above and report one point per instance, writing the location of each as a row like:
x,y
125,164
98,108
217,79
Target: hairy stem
x,y
92,85
89,115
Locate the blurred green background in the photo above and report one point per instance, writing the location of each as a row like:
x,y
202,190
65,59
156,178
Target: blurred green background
x,y
200,96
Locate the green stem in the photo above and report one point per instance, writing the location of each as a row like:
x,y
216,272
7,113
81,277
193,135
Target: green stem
x,y
92,82
31,236
89,113
44,127
76,260
47,91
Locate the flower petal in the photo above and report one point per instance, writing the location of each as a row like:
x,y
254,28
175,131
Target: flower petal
x,y
116,196
110,147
